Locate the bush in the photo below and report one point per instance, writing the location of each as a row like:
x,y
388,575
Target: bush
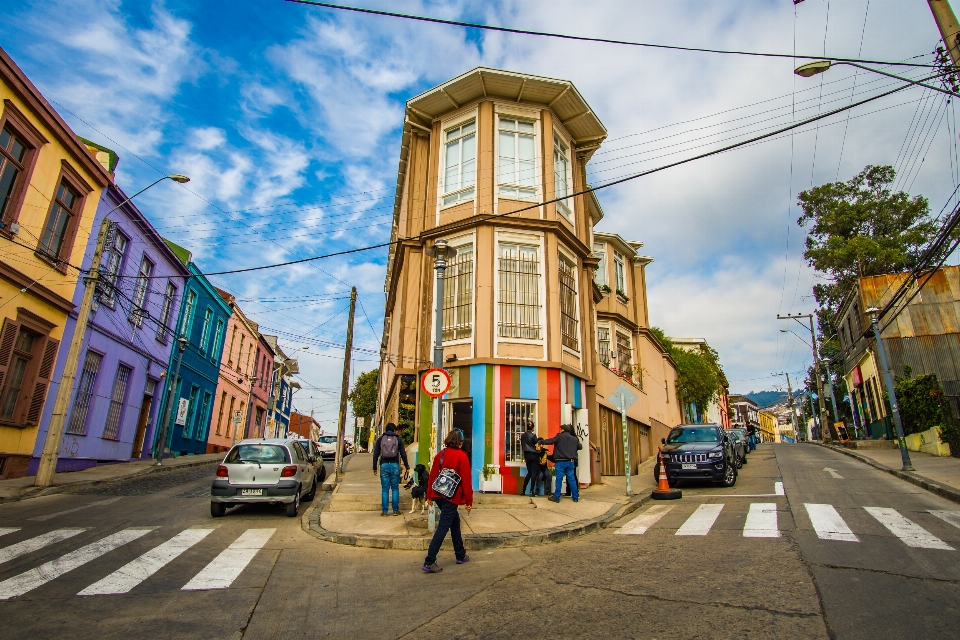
x,y
920,402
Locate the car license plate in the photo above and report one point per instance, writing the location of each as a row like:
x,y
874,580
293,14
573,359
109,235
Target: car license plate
x,y
688,465
251,492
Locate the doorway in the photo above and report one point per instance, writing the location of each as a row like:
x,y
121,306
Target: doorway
x,y
461,417
141,426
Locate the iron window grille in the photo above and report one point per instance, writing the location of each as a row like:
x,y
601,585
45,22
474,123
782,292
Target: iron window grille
x,y
81,404
460,163
624,354
517,159
519,303
516,415
111,429
603,345
568,305
458,295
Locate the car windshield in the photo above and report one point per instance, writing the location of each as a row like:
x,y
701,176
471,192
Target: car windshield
x,y
258,453
695,434
736,432
327,439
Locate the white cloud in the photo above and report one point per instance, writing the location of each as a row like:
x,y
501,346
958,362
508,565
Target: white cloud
x,y
207,138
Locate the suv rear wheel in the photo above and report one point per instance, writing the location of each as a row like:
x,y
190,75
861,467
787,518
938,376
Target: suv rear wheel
x,y
729,475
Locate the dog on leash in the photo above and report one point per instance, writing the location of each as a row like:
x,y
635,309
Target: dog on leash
x,y
419,491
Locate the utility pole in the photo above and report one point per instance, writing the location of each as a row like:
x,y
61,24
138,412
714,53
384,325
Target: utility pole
x,y
793,413
825,431
949,28
345,386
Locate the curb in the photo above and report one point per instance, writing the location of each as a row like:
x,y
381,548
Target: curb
x,y
310,523
951,494
36,492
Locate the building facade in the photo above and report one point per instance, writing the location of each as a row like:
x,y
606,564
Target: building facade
x,y
203,321
304,426
718,411
232,405
519,309
281,389
126,347
768,426
745,412
50,184
262,374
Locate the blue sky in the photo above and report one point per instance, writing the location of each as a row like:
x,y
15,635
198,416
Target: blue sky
x,y
286,117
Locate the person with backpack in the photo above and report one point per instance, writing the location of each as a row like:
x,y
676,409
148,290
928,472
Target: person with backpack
x,y
450,486
389,451
565,448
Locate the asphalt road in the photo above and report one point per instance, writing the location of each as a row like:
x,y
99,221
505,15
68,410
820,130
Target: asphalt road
x,y
855,556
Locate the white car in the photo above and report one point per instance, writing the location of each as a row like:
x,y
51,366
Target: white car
x,y
327,446
275,471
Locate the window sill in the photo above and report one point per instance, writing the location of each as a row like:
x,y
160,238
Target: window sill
x,y
536,341
572,352
455,204
13,425
622,300
57,265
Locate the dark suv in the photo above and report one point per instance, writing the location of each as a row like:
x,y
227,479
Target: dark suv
x,y
699,452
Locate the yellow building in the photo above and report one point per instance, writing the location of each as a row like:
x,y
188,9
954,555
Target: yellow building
x,y
49,188
768,426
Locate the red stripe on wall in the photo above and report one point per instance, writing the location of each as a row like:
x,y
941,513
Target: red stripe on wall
x,y
553,402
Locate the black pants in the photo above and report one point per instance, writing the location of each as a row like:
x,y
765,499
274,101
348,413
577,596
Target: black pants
x,y
449,521
532,459
543,480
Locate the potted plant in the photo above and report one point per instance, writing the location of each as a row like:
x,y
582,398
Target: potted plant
x,y
622,295
491,480
605,288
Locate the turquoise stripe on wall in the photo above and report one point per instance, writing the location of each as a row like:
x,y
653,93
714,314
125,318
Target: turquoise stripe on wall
x,y
528,383
478,391
577,385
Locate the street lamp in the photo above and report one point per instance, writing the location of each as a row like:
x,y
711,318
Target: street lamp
x,y
811,69
796,334
874,314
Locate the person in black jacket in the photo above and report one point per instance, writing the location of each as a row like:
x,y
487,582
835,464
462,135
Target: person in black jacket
x,y
528,442
565,448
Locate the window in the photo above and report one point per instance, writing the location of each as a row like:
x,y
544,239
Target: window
x,y
139,311
223,402
600,278
458,295
62,212
246,363
519,303
240,351
241,415
191,411
205,334
13,152
561,180
233,340
188,308
624,354
619,272
517,161
603,345
217,338
85,388
111,430
202,419
516,415
569,334
111,268
169,295
17,370
460,163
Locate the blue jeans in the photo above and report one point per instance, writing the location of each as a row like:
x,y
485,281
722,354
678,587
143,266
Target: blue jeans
x,y
564,469
389,479
753,441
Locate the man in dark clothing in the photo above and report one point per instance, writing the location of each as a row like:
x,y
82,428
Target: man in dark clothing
x,y
752,436
531,457
389,451
565,448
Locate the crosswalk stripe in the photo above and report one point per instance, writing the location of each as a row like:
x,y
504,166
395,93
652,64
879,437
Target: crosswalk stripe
x,y
34,544
640,524
700,522
86,506
133,573
226,567
778,489
950,517
38,576
828,524
761,521
5,530
912,534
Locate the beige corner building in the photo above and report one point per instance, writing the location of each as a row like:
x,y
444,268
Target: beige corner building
x,y
523,318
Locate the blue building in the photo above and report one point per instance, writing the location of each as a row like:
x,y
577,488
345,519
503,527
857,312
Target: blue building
x,y
281,390
203,322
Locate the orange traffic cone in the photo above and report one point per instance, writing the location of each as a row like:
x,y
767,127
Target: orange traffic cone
x,y
663,490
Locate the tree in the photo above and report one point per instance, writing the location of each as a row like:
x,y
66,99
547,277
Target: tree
x,y
363,396
699,374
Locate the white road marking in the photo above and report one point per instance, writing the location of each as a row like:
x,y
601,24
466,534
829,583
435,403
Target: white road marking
x,y
33,544
700,522
778,489
950,517
133,573
61,513
640,524
761,521
912,534
5,530
833,473
224,569
38,576
828,524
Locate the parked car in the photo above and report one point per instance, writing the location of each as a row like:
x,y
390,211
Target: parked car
x,y
274,471
313,450
698,452
740,445
327,446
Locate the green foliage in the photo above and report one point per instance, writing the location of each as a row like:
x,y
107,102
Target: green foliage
x,y
699,374
363,397
920,400
662,337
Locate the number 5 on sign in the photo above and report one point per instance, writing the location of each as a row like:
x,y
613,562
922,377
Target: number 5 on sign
x,y
435,383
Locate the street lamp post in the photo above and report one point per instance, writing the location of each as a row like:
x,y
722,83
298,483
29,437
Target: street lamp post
x,y
825,433
171,388
819,66
874,314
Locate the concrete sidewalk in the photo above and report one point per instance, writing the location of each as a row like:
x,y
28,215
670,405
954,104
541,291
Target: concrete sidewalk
x,y
351,513
22,488
938,474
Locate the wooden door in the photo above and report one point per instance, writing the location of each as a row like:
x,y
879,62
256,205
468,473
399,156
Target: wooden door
x,y
141,426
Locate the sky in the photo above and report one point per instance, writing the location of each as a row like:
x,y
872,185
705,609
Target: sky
x,y
287,118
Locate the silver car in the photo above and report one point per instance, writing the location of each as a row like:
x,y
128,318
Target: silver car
x,y
276,471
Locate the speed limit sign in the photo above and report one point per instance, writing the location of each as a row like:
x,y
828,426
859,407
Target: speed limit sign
x,y
436,382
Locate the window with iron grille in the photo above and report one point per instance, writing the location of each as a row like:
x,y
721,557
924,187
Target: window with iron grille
x,y
516,415
81,404
111,430
140,292
167,306
458,295
603,345
624,354
569,333
519,304
112,269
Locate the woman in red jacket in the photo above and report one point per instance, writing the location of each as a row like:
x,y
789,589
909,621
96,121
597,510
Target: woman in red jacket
x,y
452,457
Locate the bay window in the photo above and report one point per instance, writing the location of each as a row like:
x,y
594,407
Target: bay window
x,y
460,163
517,161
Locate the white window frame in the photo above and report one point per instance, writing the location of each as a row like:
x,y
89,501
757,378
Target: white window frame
x,y
527,408
564,207
619,271
462,193
528,239
141,290
537,187
604,327
600,249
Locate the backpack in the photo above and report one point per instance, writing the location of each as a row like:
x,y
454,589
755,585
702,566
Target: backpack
x,y
389,446
447,481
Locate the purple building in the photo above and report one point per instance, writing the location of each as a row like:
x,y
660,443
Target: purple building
x,y
114,404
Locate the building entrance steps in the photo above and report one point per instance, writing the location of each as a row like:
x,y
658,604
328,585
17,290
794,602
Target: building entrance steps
x,y
350,514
